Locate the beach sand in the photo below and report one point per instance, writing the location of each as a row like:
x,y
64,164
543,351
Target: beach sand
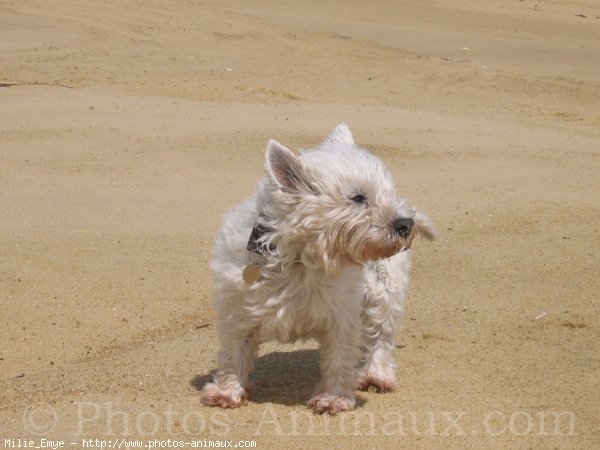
x,y
111,192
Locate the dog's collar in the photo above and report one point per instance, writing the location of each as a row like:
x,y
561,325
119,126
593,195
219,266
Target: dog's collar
x,y
257,257
254,244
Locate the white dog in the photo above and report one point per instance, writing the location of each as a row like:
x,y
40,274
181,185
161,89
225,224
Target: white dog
x,y
320,251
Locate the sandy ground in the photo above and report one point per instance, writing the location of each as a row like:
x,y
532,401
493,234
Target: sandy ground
x,y
487,113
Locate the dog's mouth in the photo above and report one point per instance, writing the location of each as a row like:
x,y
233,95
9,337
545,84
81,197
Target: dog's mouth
x,y
374,251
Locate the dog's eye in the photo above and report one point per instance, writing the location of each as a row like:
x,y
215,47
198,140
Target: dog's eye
x,y
359,199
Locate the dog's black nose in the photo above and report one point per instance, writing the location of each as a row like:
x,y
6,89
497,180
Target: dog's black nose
x,y
403,227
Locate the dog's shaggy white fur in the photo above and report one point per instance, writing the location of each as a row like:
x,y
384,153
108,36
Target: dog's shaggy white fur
x,y
333,245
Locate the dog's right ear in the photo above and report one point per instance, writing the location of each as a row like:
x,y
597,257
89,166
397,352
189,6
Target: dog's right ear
x,y
284,168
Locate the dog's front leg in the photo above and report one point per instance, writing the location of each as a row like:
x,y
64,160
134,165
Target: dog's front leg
x,y
380,324
340,354
379,369
229,388
382,311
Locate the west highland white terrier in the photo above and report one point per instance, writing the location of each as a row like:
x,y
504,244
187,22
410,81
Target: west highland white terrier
x,y
320,251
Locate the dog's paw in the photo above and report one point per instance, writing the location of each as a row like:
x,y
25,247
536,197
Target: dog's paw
x,y
331,404
379,384
213,395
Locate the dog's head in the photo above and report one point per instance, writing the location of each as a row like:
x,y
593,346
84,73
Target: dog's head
x,y
337,204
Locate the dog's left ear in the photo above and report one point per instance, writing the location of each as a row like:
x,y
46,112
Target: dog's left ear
x,y
284,168
340,135
425,226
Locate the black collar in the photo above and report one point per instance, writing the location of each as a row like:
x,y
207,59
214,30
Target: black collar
x,y
254,245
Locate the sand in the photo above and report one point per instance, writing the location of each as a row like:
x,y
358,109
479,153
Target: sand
x,y
111,191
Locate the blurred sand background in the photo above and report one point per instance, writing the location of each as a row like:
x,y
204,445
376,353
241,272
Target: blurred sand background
x,y
487,113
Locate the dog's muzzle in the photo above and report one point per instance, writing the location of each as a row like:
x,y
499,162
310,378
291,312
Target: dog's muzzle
x,y
402,234
403,227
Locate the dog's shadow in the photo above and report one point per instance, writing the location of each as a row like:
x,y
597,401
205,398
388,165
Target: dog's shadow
x,y
286,378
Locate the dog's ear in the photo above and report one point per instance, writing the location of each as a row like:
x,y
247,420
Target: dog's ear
x,y
283,167
425,226
340,135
